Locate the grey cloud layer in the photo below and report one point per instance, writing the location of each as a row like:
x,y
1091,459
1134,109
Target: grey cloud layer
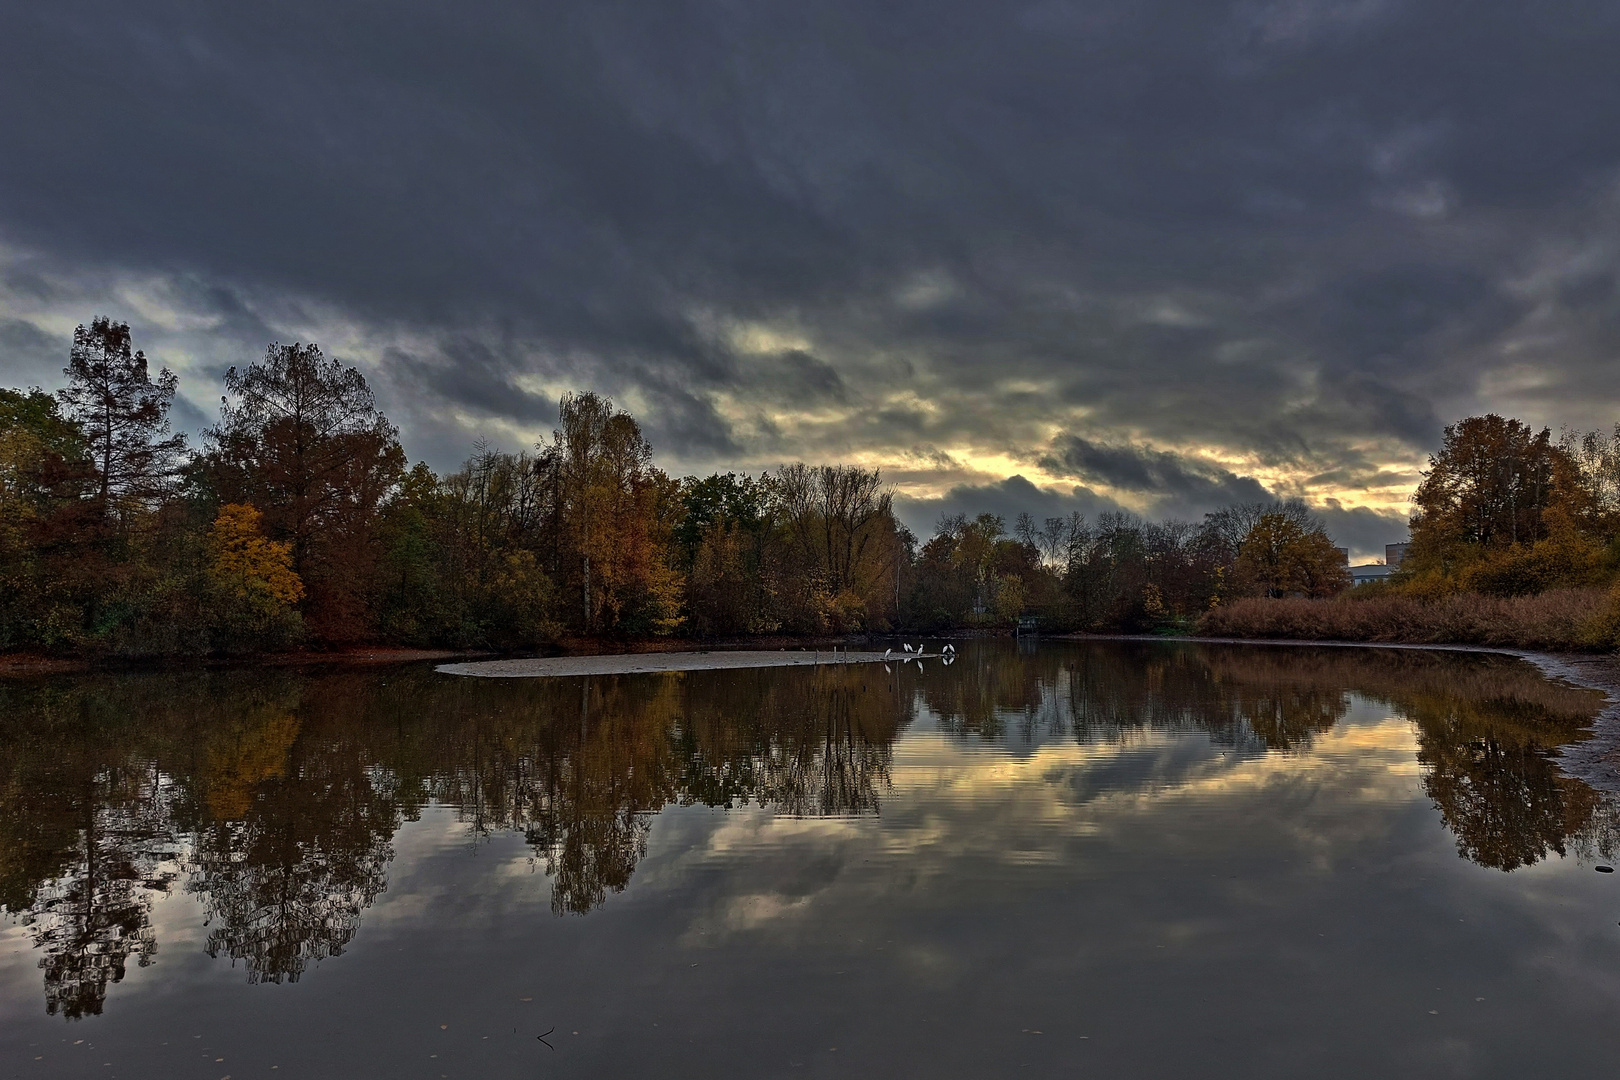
x,y
1301,233
1173,479
1363,530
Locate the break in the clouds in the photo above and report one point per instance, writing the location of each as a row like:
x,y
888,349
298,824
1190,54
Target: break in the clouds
x,y
1151,255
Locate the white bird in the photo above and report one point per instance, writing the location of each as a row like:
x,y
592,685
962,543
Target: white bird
x,y
950,648
886,653
906,647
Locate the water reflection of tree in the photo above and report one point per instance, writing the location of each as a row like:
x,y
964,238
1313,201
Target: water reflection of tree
x,y
1486,725
294,845
808,742
1108,691
1248,699
588,806
114,784
1488,768
988,687
86,840
94,915
581,766
279,793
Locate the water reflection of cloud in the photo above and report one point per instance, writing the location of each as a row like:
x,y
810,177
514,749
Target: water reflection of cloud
x,y
959,808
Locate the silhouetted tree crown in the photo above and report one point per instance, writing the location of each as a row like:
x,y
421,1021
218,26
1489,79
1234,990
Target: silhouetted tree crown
x,y
122,413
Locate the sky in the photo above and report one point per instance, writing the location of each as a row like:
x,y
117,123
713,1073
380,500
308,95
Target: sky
x,y
1155,255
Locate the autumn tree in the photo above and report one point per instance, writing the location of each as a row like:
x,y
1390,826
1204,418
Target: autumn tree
x,y
300,437
1124,573
243,562
1596,457
838,522
123,414
1491,485
464,563
1286,551
970,571
254,585
1503,510
721,499
1053,538
833,513
611,513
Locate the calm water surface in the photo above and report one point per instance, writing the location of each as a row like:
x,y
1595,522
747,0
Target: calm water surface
x,y
1097,860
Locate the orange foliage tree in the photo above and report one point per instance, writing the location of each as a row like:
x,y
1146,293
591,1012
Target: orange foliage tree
x,y
253,580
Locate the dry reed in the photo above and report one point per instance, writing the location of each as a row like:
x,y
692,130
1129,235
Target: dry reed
x,y
1576,619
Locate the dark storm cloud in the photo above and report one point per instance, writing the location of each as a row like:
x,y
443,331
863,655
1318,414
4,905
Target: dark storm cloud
x,y
1303,231
32,357
808,380
1177,480
1362,530
476,376
1007,499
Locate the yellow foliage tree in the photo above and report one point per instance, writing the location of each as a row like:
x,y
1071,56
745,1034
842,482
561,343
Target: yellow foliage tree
x,y
244,563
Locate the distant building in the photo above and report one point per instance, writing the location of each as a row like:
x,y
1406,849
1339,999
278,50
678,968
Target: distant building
x,y
1361,575
1393,554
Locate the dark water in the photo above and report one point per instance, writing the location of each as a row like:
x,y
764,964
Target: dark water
x,y
1098,860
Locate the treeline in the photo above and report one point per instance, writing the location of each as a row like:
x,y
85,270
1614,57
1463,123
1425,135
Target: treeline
x,y
297,520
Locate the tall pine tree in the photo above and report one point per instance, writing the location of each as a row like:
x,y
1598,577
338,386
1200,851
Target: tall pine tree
x,y
123,412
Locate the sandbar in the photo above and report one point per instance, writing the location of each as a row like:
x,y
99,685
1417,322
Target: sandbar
x,y
636,663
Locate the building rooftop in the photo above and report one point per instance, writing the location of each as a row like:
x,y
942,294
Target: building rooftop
x,y
1370,572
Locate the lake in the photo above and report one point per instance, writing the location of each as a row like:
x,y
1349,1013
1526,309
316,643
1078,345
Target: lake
x,y
1098,859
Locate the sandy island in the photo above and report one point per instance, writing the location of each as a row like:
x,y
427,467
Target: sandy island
x,y
629,663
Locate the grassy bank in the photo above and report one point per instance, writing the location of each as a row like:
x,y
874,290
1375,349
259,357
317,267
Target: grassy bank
x,y
1568,619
